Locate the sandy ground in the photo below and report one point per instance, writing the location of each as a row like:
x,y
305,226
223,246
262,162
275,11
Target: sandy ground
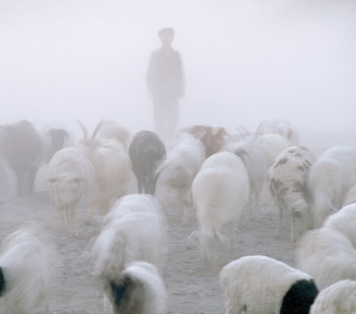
x,y
192,287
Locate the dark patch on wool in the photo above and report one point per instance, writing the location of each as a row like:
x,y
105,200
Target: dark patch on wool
x,y
299,297
282,162
2,282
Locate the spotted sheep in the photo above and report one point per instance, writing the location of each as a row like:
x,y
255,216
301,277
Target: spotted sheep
x,y
287,179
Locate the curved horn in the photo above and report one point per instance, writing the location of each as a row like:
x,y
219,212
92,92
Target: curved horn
x,y
97,129
83,128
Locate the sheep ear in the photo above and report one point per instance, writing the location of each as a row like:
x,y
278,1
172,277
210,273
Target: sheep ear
x,y
2,282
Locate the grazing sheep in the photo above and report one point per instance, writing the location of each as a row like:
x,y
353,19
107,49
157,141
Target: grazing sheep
x,y
280,127
146,151
339,298
273,144
220,190
327,255
344,221
350,197
112,169
70,174
136,234
180,167
133,203
263,285
287,179
21,147
138,289
331,176
254,157
26,272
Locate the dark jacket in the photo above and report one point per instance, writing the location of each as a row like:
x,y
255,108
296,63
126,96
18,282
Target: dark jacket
x,y
165,76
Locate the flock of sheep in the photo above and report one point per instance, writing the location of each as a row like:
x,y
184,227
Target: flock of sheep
x,y
222,174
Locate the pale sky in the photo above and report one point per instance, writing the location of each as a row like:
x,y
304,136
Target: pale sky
x,y
245,61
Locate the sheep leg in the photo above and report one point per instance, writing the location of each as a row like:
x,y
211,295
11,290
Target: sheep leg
x,y
73,221
279,224
293,231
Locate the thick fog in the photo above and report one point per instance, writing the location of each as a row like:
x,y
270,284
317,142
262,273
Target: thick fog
x,y
244,61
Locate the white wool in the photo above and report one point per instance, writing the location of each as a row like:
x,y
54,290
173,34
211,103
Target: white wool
x,y
344,221
220,190
70,174
331,176
134,230
27,267
112,166
339,298
153,295
327,255
257,283
182,164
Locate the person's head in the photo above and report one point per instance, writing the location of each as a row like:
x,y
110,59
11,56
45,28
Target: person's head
x,y
166,36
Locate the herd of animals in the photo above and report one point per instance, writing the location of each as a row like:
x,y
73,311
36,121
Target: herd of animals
x,y
222,174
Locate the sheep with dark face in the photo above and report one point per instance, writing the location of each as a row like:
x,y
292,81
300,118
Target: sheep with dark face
x,y
287,179
263,285
146,152
138,289
26,273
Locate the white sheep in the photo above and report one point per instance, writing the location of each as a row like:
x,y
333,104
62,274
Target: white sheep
x,y
26,273
287,179
327,255
344,221
220,190
179,169
112,166
133,203
254,157
273,144
136,234
138,289
331,176
70,175
280,127
350,197
339,298
262,285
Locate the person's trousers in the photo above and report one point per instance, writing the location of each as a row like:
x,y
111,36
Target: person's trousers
x,y
166,118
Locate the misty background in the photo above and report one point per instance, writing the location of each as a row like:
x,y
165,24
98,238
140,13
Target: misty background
x,y
244,60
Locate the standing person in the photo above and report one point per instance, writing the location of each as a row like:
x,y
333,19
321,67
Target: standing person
x,y
165,81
